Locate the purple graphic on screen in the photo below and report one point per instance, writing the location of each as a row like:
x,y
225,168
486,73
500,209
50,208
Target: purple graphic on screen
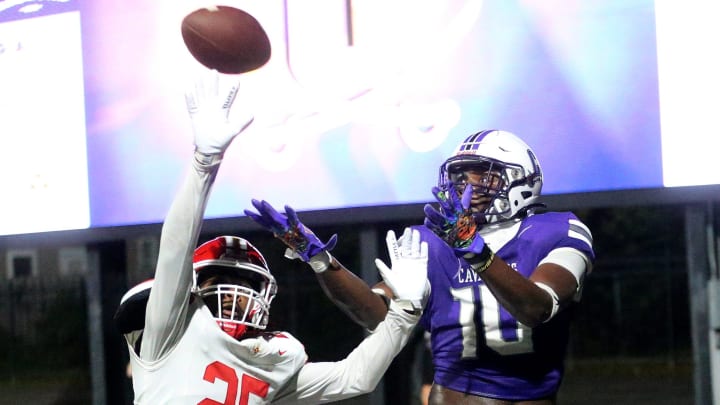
x,y
366,106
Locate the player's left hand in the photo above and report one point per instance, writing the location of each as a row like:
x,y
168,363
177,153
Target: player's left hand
x,y
456,225
407,276
454,222
302,242
209,104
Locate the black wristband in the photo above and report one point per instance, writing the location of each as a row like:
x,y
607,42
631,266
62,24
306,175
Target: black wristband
x,y
480,262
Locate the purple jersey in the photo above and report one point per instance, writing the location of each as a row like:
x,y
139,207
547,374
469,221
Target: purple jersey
x,y
478,347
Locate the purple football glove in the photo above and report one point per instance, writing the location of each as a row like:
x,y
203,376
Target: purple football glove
x,y
454,222
288,228
440,222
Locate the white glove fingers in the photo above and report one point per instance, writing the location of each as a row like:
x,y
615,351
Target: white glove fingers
x,y
238,109
199,90
408,276
385,271
230,97
193,94
410,243
216,120
191,102
415,243
206,86
392,247
197,95
405,242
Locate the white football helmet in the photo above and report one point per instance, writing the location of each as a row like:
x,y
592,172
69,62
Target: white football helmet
x,y
507,155
234,257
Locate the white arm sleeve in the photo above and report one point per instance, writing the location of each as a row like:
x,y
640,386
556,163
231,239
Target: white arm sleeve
x,y
169,298
573,261
360,372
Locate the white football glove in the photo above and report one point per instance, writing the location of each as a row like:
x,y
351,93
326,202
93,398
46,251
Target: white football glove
x,y
209,104
408,276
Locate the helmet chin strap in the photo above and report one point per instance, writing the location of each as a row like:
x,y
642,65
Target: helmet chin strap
x,y
231,328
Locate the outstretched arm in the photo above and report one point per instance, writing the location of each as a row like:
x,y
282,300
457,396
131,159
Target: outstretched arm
x,y
214,129
353,296
360,372
349,292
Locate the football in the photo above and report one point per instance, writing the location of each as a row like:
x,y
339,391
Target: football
x,y
226,39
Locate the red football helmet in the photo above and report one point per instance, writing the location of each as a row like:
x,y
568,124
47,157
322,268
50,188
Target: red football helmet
x,y
236,258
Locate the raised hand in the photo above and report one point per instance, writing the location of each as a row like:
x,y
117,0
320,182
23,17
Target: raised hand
x,y
456,225
209,104
288,228
454,222
407,276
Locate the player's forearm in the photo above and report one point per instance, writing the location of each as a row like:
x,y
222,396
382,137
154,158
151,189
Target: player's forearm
x,y
519,296
185,216
369,361
361,371
181,228
173,273
352,295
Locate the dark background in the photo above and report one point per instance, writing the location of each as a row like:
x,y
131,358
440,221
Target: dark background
x,y
630,342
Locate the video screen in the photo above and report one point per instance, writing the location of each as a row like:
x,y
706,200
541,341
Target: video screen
x,y
43,169
358,106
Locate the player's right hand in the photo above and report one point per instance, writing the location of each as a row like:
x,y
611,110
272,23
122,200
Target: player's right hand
x,y
299,239
407,274
209,104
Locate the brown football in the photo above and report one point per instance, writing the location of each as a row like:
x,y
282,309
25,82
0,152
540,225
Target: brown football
x,y
226,39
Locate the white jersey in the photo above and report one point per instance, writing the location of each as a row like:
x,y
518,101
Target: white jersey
x,y
185,358
209,365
